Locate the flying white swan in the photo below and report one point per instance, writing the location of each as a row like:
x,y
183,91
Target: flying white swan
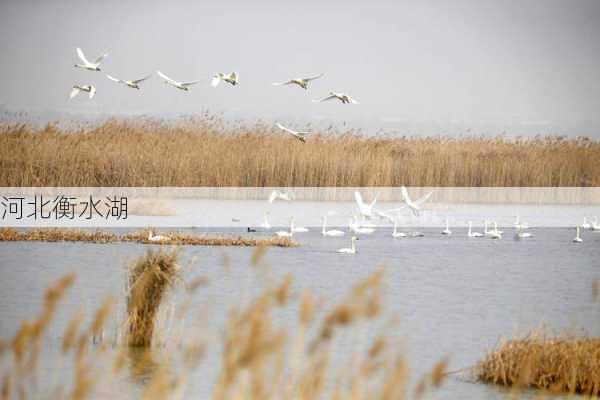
x,y
586,224
365,209
397,234
344,98
301,136
232,78
83,88
520,225
414,206
287,196
157,238
302,82
289,233
331,232
352,249
471,233
577,238
134,84
90,66
266,224
179,85
447,231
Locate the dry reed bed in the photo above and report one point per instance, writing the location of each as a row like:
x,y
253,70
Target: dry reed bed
x,y
206,152
261,358
184,239
56,235
175,238
560,364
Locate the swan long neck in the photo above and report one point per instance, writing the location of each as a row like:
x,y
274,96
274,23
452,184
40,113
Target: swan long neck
x,y
324,224
353,244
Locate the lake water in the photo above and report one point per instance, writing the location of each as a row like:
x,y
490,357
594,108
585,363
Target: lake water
x,y
453,296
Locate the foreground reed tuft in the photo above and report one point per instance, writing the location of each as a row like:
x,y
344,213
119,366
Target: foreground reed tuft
x,y
212,153
561,364
150,278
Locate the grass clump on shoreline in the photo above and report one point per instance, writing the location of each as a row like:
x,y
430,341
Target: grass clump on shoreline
x,y
560,364
128,154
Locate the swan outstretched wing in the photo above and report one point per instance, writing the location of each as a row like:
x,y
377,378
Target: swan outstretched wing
x,y
99,59
288,130
92,91
166,78
333,96
283,83
82,56
114,79
404,193
74,92
351,100
424,198
189,83
359,199
234,76
312,78
142,79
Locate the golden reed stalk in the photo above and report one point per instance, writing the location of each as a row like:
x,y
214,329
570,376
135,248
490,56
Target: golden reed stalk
x,y
207,152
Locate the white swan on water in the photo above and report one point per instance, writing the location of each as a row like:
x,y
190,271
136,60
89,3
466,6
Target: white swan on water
x,y
266,224
523,235
90,66
447,231
595,225
331,232
179,85
91,89
586,224
520,225
577,238
157,238
352,249
355,226
471,233
397,234
302,82
289,233
495,234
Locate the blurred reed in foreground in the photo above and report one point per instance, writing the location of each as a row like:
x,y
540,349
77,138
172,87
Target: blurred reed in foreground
x,y
207,152
263,356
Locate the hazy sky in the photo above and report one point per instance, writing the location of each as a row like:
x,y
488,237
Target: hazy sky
x,y
529,63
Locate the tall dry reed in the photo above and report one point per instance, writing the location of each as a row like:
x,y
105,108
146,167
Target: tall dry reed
x,y
150,279
207,152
